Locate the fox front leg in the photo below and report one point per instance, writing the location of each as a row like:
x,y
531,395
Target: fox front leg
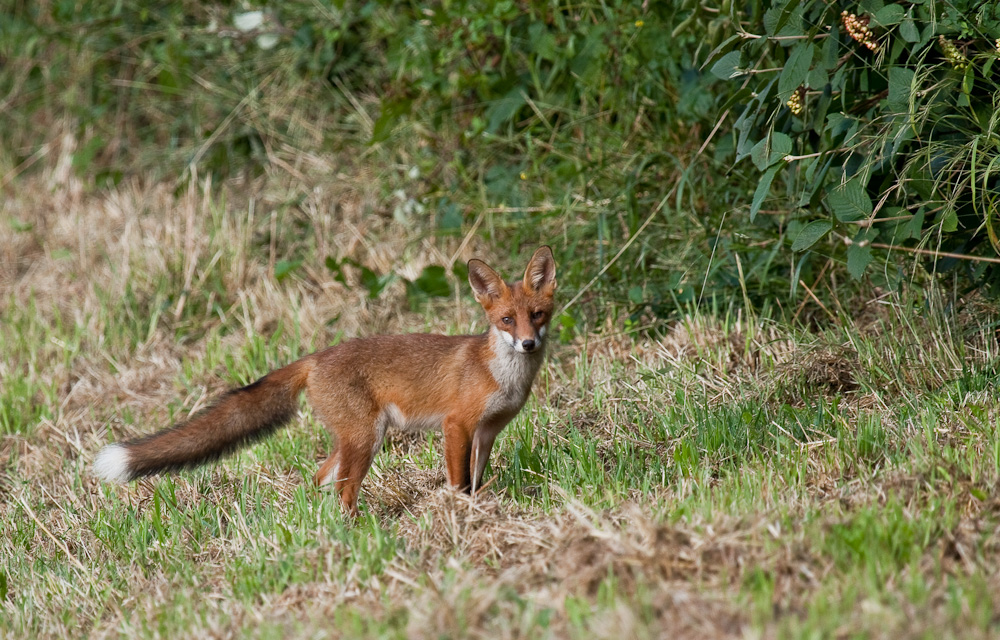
x,y
482,446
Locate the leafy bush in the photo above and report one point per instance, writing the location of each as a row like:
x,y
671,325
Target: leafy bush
x,y
595,123
570,120
169,86
878,124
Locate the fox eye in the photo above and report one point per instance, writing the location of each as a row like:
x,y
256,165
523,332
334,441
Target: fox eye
x,y
537,315
507,320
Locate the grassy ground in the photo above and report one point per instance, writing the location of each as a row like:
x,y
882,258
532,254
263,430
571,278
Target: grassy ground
x,y
728,476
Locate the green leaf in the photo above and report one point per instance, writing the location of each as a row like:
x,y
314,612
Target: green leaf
x,y
504,109
725,47
763,156
449,217
817,78
858,258
337,268
968,79
635,295
786,12
871,6
914,227
738,96
744,144
728,66
85,154
593,53
784,21
950,221
810,234
820,110
284,267
781,146
849,202
889,15
20,226
567,327
908,29
392,112
433,281
762,190
374,282
900,84
829,54
543,42
986,74
796,69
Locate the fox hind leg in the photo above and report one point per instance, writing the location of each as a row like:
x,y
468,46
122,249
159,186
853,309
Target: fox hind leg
x,y
345,469
329,470
353,454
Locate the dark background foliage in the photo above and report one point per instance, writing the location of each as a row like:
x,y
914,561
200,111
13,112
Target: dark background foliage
x,y
692,152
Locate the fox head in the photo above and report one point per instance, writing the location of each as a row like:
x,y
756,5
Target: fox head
x,y
518,311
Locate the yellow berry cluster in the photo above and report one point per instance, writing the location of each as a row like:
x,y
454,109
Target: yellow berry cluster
x,y
857,28
795,103
951,53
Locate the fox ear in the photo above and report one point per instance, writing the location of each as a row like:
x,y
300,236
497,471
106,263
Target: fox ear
x,y
486,283
541,272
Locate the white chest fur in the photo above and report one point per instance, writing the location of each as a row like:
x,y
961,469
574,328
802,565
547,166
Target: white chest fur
x,y
514,373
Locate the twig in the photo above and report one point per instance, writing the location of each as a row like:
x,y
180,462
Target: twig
x,y
467,238
752,36
30,160
802,304
488,483
59,543
817,300
723,117
711,258
536,209
655,210
791,158
250,96
936,254
628,244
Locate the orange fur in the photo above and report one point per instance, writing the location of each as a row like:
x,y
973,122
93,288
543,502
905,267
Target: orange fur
x,y
471,386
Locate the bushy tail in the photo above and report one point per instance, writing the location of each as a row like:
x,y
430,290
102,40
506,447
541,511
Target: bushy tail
x,y
239,417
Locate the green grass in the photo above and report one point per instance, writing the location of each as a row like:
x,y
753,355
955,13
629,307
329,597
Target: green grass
x,y
718,477
688,466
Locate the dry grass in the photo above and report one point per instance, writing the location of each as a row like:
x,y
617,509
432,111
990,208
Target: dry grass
x,y
747,479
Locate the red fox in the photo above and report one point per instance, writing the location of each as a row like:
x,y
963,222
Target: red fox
x,y
471,386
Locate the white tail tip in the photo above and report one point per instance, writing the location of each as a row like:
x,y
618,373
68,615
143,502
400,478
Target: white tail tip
x,y
111,464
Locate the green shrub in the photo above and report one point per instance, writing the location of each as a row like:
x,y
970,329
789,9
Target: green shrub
x,y
600,124
875,124
570,121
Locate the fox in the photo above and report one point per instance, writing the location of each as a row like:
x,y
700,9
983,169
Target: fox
x,y
469,386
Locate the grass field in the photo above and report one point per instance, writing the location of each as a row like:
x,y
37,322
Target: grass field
x,y
727,475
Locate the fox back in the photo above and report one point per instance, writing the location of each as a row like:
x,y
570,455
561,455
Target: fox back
x,y
469,386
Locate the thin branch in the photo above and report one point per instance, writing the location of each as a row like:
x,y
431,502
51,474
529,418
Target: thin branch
x,y
628,244
817,300
874,221
791,158
751,36
936,254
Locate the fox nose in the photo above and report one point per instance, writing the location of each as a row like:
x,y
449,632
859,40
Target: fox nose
x,y
528,345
